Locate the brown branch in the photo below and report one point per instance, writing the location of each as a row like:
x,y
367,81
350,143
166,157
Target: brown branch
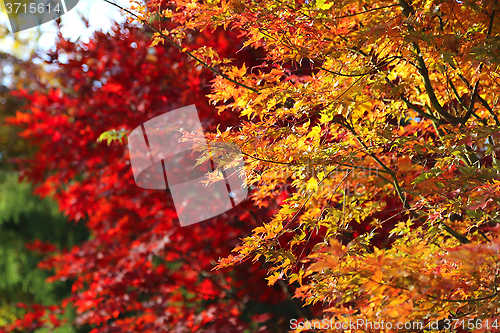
x,y
381,64
422,68
455,92
399,190
481,100
269,161
364,12
171,41
424,72
464,300
472,102
415,107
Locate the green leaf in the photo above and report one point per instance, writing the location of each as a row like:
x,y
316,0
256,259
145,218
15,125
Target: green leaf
x,y
113,135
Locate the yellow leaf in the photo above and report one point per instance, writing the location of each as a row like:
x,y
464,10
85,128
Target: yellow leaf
x,y
377,276
325,118
273,278
312,184
314,132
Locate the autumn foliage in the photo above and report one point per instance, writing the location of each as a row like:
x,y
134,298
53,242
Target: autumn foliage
x,y
370,134
140,271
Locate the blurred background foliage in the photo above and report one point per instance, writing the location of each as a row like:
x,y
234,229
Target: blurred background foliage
x,y
24,217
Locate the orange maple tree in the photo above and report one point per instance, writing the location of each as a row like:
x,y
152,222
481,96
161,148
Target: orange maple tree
x,y
382,117
369,132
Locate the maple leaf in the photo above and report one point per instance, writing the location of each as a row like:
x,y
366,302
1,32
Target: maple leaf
x,y
368,122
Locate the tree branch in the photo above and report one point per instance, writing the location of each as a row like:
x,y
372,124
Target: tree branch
x,y
472,102
481,100
415,107
399,190
422,69
455,92
171,41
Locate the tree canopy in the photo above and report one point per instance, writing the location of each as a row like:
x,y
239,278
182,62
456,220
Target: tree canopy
x,y
140,270
369,132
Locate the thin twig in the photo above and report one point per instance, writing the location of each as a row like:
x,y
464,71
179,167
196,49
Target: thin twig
x,y
171,41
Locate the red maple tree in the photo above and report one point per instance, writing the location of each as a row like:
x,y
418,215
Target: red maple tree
x,y
140,271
